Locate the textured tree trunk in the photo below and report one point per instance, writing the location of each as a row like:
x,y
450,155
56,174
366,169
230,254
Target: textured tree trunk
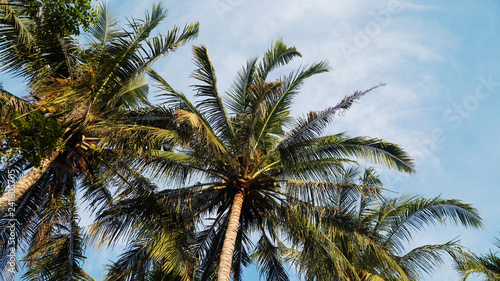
x,y
226,257
25,183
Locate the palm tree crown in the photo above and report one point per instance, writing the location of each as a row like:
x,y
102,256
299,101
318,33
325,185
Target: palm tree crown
x,y
239,158
73,88
361,235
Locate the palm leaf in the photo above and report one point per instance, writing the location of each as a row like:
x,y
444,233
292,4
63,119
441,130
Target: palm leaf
x,y
282,105
313,124
369,149
211,106
277,55
269,260
10,104
238,100
412,214
105,28
425,258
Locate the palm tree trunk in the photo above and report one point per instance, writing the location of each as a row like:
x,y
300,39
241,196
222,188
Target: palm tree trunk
x,y
26,182
226,257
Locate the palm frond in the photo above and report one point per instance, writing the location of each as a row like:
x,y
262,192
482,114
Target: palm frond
x,y
339,146
126,57
203,130
105,28
269,260
10,104
282,104
211,106
487,265
133,264
16,31
277,55
314,123
413,214
60,255
315,242
238,100
426,258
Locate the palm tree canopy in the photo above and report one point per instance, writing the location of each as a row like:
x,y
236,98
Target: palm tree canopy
x,y
55,17
370,231
242,144
72,89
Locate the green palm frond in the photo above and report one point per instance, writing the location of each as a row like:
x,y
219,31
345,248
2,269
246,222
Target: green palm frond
x,y
359,221
413,214
314,192
105,28
277,55
133,264
60,255
169,95
15,19
212,107
189,116
158,254
134,92
426,258
126,57
322,170
140,129
204,131
340,146
17,32
269,260
314,123
10,104
485,265
117,222
161,235
315,243
281,105
26,52
238,100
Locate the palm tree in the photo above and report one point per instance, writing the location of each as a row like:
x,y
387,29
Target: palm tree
x,y
72,90
369,232
60,18
160,246
487,265
234,161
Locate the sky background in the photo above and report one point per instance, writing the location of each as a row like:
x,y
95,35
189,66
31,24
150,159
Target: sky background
x,y
440,63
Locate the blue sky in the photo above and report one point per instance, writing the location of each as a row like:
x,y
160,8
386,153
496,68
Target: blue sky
x,y
440,63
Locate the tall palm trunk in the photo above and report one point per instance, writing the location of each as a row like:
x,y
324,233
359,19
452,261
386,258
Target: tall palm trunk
x,y
226,256
26,182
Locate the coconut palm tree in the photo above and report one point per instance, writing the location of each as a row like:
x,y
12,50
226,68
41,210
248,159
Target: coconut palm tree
x,y
160,235
487,266
51,143
237,159
371,232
